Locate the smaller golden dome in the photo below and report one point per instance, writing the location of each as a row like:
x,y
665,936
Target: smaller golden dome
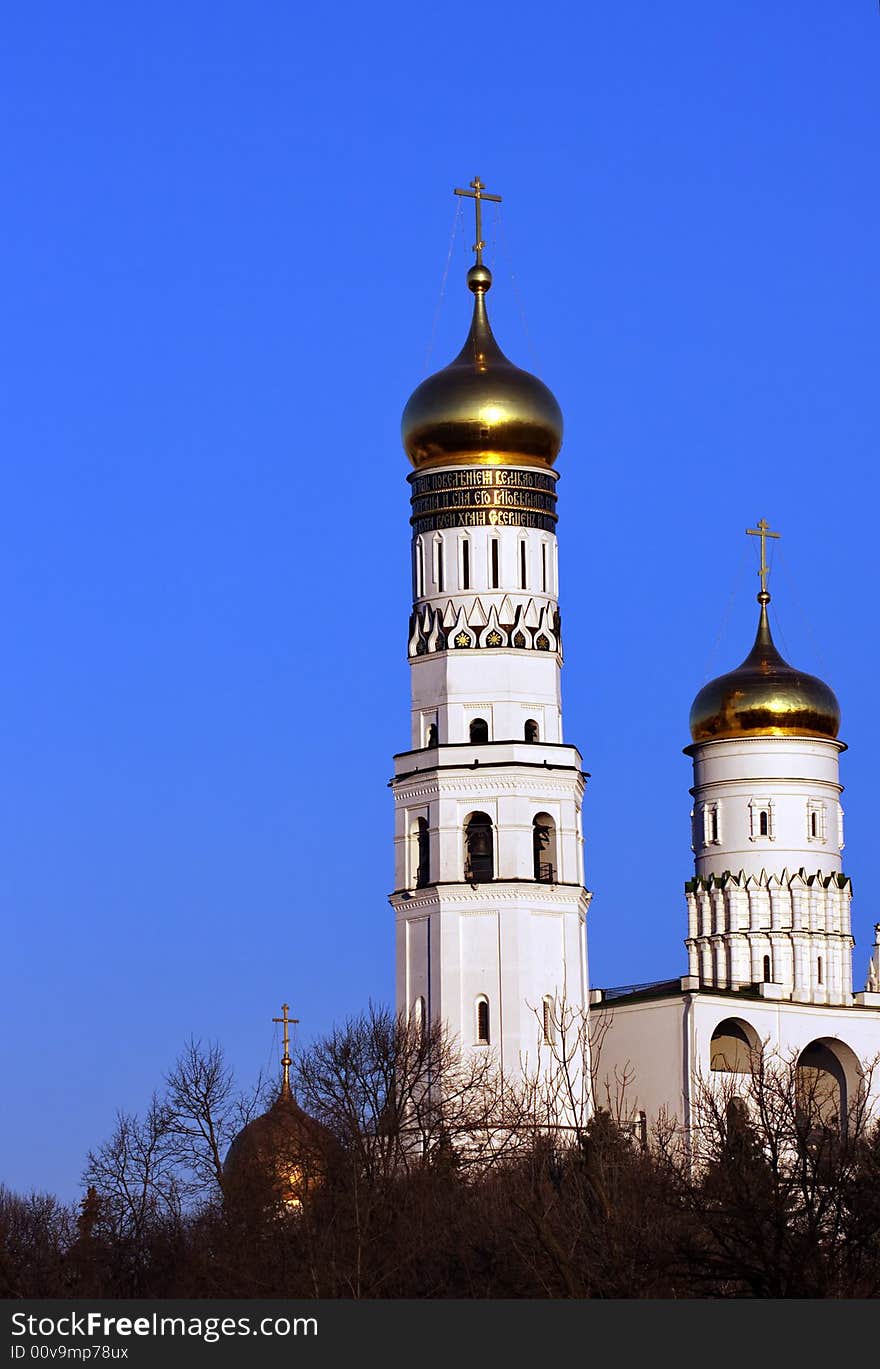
x,y
282,1155
481,409
764,697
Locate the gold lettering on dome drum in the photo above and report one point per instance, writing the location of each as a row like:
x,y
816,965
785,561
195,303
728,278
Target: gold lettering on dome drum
x,y
479,498
496,499
482,518
491,476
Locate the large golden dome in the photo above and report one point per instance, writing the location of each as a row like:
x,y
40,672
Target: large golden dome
x,y
764,697
481,409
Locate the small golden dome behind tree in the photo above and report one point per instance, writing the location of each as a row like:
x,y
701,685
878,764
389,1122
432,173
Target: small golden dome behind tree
x,y
281,1156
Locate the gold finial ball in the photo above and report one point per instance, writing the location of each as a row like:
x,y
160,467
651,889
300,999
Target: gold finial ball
x,y
479,278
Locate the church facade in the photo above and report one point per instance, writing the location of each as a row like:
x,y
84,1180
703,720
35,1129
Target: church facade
x,y
490,898
769,938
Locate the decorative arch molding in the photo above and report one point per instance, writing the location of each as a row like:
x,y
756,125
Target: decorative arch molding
x,y
523,626
830,1082
734,1047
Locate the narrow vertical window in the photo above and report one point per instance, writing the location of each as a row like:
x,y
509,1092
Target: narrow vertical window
x,y
767,972
547,1021
523,566
544,567
713,823
814,824
819,970
423,854
763,823
438,564
493,561
418,568
483,1021
465,564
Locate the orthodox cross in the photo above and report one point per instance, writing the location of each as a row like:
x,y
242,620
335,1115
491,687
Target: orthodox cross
x,y
476,194
763,531
285,1059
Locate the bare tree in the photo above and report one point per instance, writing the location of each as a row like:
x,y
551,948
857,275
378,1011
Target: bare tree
x,y
773,1186
135,1171
204,1112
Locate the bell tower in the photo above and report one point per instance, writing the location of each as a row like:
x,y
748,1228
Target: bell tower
x,y
769,905
489,896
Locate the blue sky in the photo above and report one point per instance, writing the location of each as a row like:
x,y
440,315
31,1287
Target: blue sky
x,y
224,232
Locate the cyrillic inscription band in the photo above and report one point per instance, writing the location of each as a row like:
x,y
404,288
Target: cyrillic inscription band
x,y
489,496
484,518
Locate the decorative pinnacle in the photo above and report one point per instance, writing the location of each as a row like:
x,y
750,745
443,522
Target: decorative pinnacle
x,y
476,193
286,1061
763,531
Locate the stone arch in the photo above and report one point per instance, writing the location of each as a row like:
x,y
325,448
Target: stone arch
x,y
421,853
829,1081
479,848
733,1046
478,731
544,853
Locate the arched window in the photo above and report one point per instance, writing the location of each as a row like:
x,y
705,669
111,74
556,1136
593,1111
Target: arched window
x,y
420,1015
547,1020
763,823
479,731
544,567
829,1083
814,824
431,738
531,730
544,848
483,1020
465,563
734,1046
523,565
423,854
479,857
418,568
767,973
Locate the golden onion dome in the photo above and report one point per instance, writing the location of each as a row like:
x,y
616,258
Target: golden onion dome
x,y
764,697
481,409
282,1155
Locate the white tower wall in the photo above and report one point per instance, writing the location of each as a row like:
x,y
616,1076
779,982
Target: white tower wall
x,y
770,904
794,781
485,649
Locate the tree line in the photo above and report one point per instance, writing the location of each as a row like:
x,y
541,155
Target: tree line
x,y
419,1173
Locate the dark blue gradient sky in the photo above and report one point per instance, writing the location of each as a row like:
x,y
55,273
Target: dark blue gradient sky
x,y
224,233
